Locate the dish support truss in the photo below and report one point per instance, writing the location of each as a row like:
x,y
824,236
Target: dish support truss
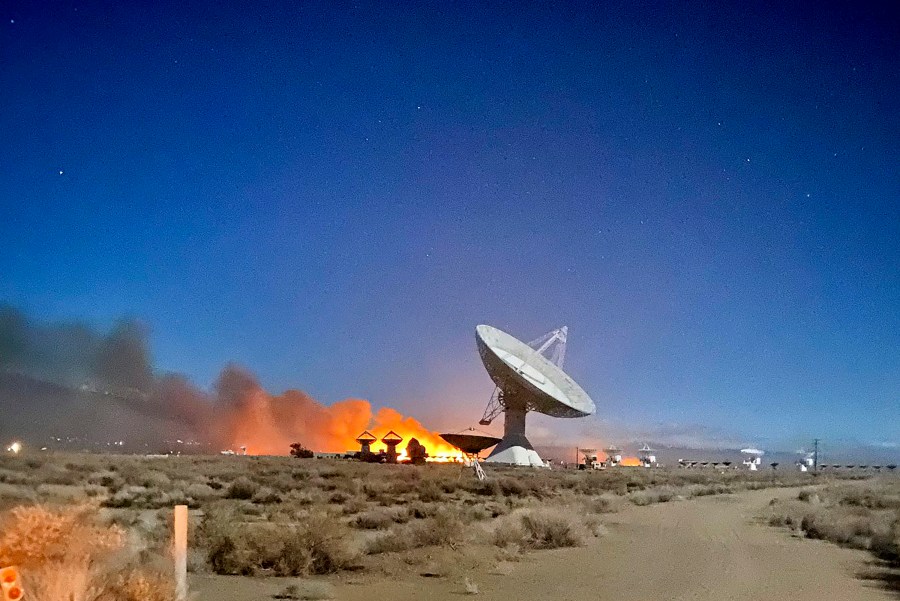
x,y
553,346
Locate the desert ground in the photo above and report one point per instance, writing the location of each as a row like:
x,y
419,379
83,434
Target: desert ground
x,y
288,528
711,548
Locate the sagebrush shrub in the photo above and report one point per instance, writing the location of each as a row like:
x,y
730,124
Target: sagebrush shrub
x,y
318,544
69,554
243,488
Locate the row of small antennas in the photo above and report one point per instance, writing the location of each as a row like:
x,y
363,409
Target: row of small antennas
x,y
775,464
834,466
612,451
646,458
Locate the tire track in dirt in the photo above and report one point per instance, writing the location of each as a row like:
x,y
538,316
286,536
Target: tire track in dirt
x,y
709,549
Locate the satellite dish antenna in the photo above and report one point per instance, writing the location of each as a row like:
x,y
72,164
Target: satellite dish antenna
x,y
529,377
807,462
365,441
647,456
613,455
391,440
590,458
754,458
472,443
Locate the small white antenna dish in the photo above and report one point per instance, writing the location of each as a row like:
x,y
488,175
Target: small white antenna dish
x,y
646,456
613,455
529,377
807,461
754,458
590,458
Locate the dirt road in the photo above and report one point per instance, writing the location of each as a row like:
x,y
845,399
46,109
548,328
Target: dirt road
x,y
704,549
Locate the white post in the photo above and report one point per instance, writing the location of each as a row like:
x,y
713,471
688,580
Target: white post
x,y
180,552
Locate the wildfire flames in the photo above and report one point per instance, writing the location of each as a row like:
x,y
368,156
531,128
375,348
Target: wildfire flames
x,y
626,461
267,424
59,376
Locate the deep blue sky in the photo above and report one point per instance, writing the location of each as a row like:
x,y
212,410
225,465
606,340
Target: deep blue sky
x,y
334,195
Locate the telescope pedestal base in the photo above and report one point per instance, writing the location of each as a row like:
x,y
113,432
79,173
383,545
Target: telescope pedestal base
x,y
516,455
515,449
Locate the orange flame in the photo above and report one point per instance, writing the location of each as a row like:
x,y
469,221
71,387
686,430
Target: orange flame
x,y
268,424
631,462
388,419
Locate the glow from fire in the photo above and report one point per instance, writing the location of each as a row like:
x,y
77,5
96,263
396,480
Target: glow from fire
x,y
626,461
388,419
453,456
15,447
268,424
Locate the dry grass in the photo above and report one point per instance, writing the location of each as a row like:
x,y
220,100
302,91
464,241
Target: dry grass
x,y
35,536
446,528
242,488
289,516
381,518
71,554
318,544
861,516
543,529
605,503
136,585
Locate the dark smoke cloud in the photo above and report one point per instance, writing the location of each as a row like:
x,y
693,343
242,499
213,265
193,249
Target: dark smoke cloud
x,y
71,380
75,354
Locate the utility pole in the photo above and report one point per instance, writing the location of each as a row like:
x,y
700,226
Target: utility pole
x,y
816,455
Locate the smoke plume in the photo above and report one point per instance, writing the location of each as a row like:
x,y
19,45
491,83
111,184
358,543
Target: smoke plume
x,y
73,382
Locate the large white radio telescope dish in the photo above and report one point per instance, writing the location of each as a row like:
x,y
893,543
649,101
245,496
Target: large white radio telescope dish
x,y
527,380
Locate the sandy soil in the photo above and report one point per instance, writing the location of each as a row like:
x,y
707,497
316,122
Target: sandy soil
x,y
704,549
